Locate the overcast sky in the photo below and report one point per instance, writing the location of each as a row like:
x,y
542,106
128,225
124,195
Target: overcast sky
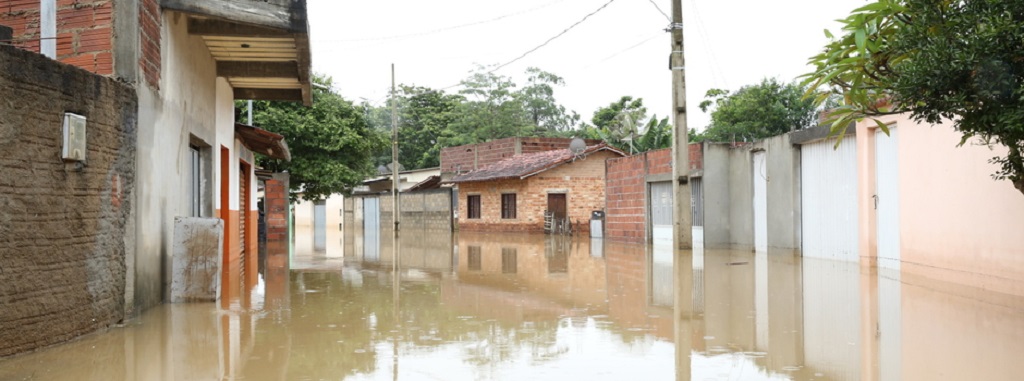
x,y
620,50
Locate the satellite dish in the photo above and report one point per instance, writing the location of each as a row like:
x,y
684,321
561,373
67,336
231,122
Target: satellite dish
x,y
577,146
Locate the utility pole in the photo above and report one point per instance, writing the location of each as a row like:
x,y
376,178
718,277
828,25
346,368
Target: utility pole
x,y
683,226
394,153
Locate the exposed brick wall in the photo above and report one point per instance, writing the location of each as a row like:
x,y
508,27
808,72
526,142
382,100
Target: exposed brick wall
x,y
149,41
626,188
472,156
276,204
63,226
84,31
626,214
582,181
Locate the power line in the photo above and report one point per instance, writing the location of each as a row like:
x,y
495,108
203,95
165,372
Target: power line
x,y
631,47
445,29
553,38
661,11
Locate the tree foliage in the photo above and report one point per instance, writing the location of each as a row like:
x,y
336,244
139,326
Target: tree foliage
x,y
490,106
756,112
622,125
938,60
330,143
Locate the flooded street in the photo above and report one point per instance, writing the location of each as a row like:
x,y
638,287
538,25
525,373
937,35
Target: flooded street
x,y
475,306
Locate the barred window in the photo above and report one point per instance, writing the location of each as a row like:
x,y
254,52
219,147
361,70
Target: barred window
x,y
508,206
473,206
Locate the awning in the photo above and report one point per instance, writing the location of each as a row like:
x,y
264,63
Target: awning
x,y
263,142
261,46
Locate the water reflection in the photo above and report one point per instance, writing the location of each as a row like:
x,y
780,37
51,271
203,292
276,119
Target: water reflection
x,y
514,306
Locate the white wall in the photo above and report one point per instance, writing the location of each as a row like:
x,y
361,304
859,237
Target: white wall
x,y
191,101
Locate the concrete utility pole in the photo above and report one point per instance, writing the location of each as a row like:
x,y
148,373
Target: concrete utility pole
x,y
682,263
683,226
394,153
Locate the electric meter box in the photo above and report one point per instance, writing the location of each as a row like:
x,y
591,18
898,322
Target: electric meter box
x,y
74,138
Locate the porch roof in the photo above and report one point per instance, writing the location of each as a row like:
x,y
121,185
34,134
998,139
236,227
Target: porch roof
x,y
263,142
261,46
526,165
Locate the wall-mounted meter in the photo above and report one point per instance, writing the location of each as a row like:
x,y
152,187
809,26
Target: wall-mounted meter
x,y
74,137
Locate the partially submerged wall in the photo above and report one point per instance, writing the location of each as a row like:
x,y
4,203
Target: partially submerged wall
x,y
64,229
729,194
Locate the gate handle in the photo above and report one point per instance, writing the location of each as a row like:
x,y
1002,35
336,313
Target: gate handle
x,y
875,197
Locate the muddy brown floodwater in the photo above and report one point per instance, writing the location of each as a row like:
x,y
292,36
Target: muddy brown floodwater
x,y
474,306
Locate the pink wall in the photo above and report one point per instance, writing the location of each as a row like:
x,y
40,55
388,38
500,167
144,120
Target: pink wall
x,y
956,222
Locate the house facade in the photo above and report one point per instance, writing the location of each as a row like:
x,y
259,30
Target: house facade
x,y
186,62
514,194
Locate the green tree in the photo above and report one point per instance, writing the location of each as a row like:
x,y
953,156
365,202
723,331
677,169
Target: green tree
x,y
491,110
538,98
330,143
938,60
612,114
621,124
756,112
424,116
494,107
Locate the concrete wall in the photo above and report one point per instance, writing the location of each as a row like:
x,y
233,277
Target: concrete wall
x,y
728,194
189,105
956,222
582,181
64,227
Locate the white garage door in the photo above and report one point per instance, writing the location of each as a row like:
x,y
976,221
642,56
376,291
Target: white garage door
x,y
828,181
661,213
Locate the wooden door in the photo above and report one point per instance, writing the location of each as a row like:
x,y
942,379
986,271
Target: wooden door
x,y
556,205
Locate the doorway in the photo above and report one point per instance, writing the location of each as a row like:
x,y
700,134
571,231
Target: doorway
x,y
557,209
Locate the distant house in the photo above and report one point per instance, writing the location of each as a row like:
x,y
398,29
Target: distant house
x,y
513,194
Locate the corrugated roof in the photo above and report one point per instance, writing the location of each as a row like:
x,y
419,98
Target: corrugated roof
x,y
526,165
263,141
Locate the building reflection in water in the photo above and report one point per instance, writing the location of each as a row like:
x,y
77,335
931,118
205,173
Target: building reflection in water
x,y
491,306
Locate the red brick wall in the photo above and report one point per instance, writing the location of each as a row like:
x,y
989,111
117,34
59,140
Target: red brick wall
x,y
276,204
472,156
149,41
85,33
626,215
583,182
626,188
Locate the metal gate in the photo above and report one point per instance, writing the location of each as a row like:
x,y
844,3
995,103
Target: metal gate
x,y
661,213
320,225
371,229
760,173
828,200
697,199
886,199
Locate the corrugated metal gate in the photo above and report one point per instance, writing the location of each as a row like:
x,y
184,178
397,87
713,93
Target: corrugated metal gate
x,y
320,225
371,229
828,183
661,212
697,198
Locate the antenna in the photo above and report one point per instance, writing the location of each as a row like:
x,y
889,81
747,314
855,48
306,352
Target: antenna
x,y
577,146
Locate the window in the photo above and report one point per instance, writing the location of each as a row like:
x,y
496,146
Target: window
x,y
195,182
473,206
474,258
508,206
509,260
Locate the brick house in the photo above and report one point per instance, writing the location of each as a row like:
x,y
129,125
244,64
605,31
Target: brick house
x,y
469,157
185,63
513,194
